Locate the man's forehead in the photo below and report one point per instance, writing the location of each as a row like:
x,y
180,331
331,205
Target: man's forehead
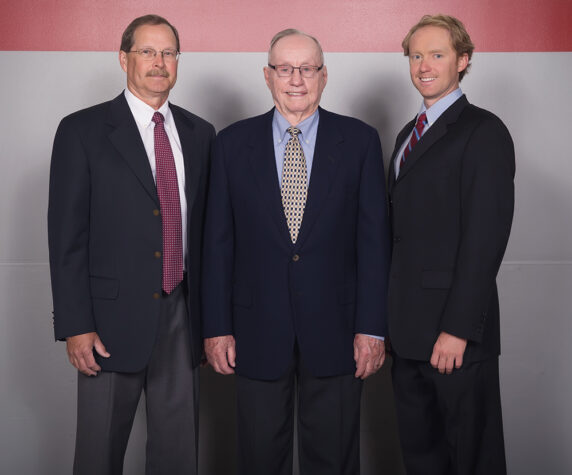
x,y
144,32
295,44
433,34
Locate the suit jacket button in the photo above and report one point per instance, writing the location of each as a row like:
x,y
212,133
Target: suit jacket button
x,y
295,257
397,239
157,254
156,295
156,212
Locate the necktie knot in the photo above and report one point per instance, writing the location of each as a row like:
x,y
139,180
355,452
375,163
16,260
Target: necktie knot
x,y
293,131
415,136
421,122
158,118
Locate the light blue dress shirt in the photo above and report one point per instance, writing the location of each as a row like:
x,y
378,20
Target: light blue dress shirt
x,y
307,136
433,113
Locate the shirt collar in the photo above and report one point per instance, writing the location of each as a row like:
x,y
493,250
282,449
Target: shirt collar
x,y
143,113
435,111
308,127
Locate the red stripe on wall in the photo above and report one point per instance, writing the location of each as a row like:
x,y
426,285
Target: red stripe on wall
x,y
247,25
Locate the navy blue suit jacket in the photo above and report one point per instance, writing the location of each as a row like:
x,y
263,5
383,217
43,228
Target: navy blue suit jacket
x,y
331,284
104,230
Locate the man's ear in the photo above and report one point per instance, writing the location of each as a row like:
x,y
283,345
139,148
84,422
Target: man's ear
x,y
462,62
123,60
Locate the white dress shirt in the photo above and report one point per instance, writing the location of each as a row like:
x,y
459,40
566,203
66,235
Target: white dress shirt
x,y
143,113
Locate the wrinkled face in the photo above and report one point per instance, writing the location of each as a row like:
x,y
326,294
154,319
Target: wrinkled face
x,y
433,63
296,97
150,80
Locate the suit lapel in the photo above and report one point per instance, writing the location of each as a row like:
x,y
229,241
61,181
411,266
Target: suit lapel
x,y
190,145
263,167
398,143
435,132
326,158
126,139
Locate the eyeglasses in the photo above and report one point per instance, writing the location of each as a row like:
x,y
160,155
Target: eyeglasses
x,y
148,54
285,70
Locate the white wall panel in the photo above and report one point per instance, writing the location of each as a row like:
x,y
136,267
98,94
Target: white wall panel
x,y
529,91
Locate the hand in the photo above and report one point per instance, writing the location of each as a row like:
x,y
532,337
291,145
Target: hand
x,y
448,352
369,355
80,352
221,353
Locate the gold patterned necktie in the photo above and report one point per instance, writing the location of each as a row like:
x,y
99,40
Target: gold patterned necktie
x,y
294,183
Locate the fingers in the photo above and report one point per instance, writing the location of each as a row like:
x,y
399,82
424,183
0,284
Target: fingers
x,y
80,353
100,348
369,355
220,363
361,366
221,353
446,362
231,356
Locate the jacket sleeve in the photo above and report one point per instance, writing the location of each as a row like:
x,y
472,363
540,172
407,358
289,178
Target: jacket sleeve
x,y
68,233
372,244
487,205
218,251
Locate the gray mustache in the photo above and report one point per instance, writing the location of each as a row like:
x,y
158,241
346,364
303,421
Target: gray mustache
x,y
158,72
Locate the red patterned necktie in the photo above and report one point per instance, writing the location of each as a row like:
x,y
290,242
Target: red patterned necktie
x,y
415,136
168,191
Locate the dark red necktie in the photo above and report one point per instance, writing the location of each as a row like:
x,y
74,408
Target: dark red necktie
x,y
415,136
168,191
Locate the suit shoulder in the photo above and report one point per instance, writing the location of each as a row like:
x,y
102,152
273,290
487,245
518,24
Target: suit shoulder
x,y
348,122
482,117
89,115
246,126
197,121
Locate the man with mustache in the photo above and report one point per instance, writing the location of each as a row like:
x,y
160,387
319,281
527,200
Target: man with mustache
x,y
295,269
127,192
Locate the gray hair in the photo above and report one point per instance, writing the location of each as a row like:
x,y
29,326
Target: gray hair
x,y
291,32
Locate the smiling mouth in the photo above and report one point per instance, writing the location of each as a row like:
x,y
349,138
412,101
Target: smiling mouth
x,y
427,79
296,94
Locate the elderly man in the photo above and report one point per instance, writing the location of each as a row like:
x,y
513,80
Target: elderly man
x,y
127,192
295,269
452,198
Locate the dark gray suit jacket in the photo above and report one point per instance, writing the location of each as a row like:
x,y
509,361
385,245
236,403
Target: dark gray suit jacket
x,y
451,211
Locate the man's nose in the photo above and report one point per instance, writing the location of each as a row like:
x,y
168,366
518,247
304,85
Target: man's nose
x,y
424,65
158,60
296,77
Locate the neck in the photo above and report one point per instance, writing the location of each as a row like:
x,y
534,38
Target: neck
x,y
294,118
152,101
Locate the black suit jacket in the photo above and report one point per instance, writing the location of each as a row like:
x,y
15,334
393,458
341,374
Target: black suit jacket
x,y
104,228
331,284
451,210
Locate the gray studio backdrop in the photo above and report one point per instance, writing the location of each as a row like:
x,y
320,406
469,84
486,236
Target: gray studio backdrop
x,y
529,91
